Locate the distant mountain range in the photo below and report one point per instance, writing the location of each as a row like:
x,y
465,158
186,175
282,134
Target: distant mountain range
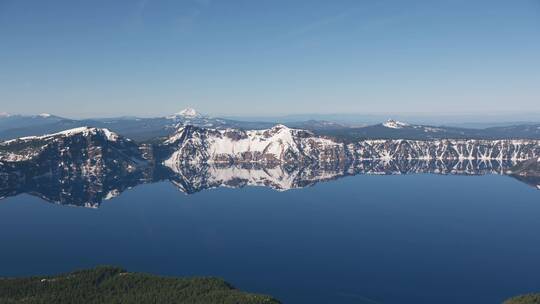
x,y
145,129
392,129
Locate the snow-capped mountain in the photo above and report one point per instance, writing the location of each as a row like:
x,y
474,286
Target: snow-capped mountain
x,y
394,124
187,113
190,116
84,149
84,166
78,163
283,145
278,144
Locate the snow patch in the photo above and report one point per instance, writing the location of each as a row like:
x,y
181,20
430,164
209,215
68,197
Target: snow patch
x,y
111,194
111,136
394,124
431,129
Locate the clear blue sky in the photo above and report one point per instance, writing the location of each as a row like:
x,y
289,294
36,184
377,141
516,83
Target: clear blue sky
x,y
268,57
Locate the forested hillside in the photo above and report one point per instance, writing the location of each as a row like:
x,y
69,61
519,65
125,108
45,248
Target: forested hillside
x,y
104,285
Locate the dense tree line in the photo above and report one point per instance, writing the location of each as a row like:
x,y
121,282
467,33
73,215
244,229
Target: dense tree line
x,y
105,285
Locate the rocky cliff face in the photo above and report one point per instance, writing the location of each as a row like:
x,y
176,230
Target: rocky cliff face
x,y
282,145
80,146
278,145
84,166
78,163
500,150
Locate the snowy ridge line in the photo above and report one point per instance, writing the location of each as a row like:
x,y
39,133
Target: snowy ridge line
x,y
84,130
27,148
284,145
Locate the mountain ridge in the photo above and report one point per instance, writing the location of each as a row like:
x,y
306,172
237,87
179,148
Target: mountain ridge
x,y
86,165
143,129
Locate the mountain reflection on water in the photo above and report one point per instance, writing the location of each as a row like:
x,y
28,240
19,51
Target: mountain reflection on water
x,y
90,189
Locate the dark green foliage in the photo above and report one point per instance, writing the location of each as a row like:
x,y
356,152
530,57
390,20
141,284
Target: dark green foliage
x,y
525,299
114,285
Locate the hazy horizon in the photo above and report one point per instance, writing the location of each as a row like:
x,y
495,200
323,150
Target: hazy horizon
x,y
449,118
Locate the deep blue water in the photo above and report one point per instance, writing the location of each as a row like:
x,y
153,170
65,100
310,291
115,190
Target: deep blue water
x,y
361,239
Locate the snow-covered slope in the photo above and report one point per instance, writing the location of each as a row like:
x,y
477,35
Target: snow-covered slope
x,y
76,152
449,149
84,166
26,148
292,146
279,144
104,163
79,166
394,124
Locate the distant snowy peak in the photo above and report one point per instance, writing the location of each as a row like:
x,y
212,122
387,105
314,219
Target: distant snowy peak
x,y
44,115
397,125
4,114
394,124
187,113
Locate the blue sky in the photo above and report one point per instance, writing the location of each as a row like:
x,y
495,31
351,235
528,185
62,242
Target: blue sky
x,y
269,57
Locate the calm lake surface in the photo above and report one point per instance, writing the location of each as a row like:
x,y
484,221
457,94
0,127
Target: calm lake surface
x,y
361,239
